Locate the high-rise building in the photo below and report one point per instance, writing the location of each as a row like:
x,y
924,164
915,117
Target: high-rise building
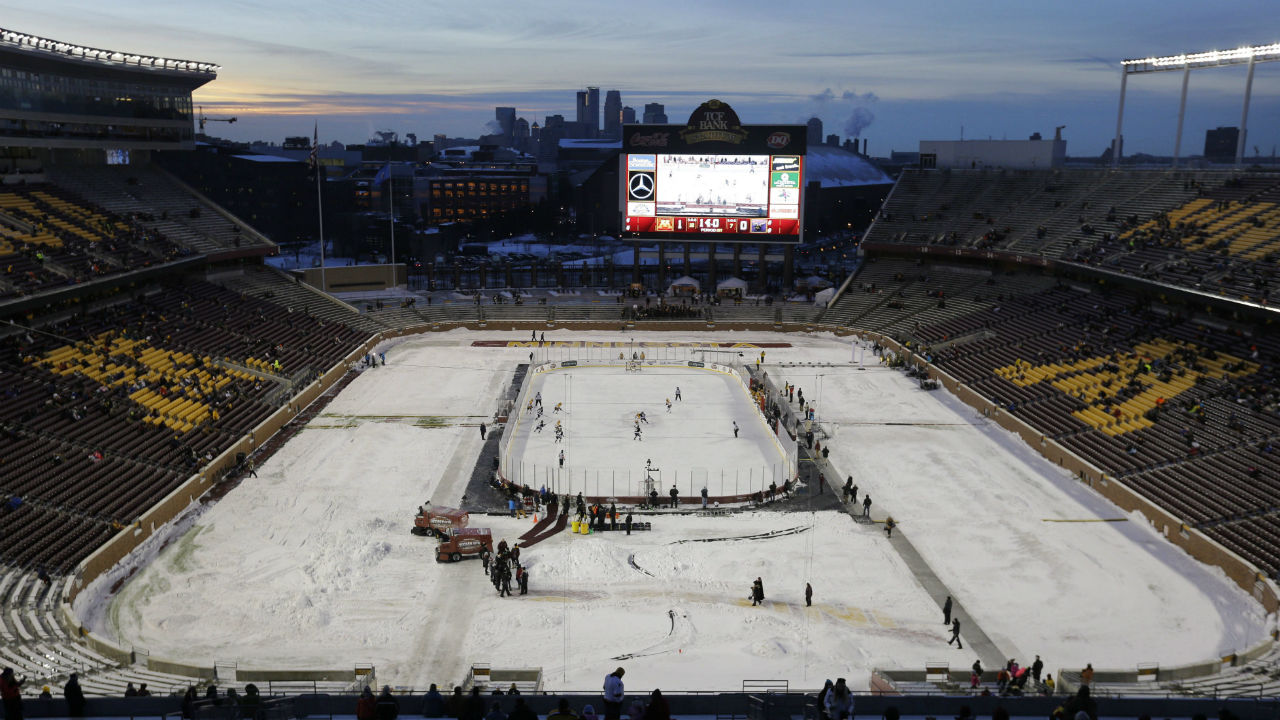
x,y
833,140
520,135
814,134
1220,144
628,115
613,115
441,143
593,110
506,117
581,107
655,114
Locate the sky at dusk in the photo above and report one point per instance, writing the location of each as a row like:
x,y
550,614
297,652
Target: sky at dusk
x,y
897,71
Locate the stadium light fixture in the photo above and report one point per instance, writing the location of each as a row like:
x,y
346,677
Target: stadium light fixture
x,y
33,42
1211,58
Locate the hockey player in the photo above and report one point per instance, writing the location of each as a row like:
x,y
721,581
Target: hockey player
x,y
541,424
636,436
537,398
562,458
539,415
677,393
640,416
559,407
529,407
668,404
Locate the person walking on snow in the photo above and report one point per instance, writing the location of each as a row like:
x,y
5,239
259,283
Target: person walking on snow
x,y
735,428
955,634
866,506
562,458
483,430
704,497
808,595
946,611
675,497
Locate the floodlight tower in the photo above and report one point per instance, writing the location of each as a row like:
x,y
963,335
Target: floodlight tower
x,y
1186,63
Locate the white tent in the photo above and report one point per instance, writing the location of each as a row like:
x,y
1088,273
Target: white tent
x,y
732,286
684,286
823,297
813,282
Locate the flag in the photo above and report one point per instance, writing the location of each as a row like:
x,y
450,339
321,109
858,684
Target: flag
x,y
313,159
383,175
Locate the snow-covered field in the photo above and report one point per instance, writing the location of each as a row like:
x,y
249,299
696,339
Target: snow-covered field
x,y
313,565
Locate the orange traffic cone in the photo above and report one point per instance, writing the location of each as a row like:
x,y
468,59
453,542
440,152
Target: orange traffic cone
x,y
535,518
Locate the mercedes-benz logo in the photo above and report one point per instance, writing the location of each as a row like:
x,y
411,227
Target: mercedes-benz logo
x,y
641,185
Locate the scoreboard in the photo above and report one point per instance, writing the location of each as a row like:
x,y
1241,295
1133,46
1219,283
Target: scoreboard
x,y
713,178
713,194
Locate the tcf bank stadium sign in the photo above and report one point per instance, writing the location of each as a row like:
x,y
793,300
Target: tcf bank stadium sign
x,y
715,127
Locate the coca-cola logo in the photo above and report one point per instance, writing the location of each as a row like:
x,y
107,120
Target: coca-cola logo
x,y
657,139
778,140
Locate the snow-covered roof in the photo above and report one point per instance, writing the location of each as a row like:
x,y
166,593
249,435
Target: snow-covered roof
x,y
579,144
836,167
265,158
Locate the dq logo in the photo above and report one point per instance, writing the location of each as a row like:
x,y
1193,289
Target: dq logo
x,y
778,140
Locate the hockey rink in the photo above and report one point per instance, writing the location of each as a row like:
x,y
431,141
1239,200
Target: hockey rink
x,y
312,564
691,445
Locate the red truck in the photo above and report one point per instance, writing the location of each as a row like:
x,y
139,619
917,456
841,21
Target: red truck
x,y
464,542
438,520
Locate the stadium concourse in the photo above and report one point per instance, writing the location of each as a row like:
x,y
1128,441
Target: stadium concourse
x,y
109,410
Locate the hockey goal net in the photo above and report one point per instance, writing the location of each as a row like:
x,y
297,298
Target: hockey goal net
x,y
634,365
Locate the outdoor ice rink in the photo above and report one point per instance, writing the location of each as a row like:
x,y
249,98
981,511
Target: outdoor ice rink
x,y
693,445
312,564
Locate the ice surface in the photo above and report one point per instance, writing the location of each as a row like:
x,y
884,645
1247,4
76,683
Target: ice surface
x,y
312,564
693,445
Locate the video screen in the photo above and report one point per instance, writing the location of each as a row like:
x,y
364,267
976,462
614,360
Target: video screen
x,y
712,194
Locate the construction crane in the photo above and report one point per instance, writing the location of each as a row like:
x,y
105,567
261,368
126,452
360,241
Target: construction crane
x,y
204,119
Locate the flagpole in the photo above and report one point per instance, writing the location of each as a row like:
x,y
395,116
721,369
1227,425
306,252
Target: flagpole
x,y
391,217
315,150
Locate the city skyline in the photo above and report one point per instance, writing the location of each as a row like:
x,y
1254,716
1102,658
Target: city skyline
x,y
895,75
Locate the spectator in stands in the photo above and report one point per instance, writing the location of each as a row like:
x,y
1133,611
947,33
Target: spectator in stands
x,y
657,709
495,712
251,703
388,708
522,711
839,701
588,713
367,705
130,690
74,695
1081,703
1086,675
457,702
562,711
188,703
433,703
474,707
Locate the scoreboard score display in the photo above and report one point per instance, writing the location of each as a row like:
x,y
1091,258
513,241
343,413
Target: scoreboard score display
x,y
713,178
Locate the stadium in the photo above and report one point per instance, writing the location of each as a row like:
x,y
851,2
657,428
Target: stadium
x,y
1059,384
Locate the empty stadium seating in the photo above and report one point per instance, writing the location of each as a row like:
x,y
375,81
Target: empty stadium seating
x,y
51,238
